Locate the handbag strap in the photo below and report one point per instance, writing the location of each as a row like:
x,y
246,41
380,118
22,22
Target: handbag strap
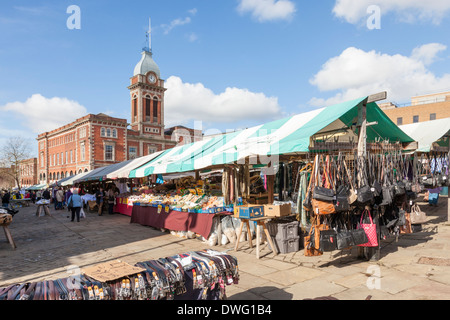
x,y
370,216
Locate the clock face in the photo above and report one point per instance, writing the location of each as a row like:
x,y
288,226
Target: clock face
x,y
151,78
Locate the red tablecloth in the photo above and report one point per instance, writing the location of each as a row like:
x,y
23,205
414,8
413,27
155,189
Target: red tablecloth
x,y
173,220
123,208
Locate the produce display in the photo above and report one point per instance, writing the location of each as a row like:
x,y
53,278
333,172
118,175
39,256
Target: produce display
x,y
188,202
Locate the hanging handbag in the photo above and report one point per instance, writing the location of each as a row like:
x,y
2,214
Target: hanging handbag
x,y
370,230
342,199
328,240
417,216
359,236
344,237
312,240
364,192
323,207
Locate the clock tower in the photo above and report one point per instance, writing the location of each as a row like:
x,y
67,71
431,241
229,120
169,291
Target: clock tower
x,y
147,106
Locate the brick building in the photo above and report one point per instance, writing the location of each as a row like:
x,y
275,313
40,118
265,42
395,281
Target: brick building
x,y
28,172
98,140
423,108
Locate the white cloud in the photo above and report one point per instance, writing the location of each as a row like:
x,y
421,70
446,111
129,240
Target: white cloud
x,y
267,10
179,21
194,102
354,11
356,73
175,23
41,114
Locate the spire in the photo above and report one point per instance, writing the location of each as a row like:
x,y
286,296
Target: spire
x,y
149,36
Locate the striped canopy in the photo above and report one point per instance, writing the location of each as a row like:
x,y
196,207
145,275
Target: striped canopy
x,y
285,136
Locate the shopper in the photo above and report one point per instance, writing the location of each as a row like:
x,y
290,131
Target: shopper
x,y
99,199
433,196
111,200
5,199
59,199
46,194
74,204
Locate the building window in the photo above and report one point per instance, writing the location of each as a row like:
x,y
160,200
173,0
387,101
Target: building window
x,y
103,132
67,159
148,103
132,152
135,109
114,133
109,152
71,156
82,151
57,159
432,116
62,158
399,121
415,119
151,149
155,110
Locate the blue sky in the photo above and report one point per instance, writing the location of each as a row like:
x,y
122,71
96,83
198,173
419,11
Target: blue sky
x,y
228,64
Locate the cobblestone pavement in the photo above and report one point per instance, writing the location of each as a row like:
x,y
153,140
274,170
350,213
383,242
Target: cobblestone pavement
x,y
414,267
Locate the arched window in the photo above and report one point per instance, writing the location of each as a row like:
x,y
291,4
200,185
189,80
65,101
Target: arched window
x,y
80,171
57,176
71,173
134,109
155,110
43,176
148,104
86,170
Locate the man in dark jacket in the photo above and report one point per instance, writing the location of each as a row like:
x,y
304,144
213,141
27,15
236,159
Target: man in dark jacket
x,y
46,194
5,199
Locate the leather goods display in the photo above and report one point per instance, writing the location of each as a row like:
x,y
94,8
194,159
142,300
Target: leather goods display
x,y
199,275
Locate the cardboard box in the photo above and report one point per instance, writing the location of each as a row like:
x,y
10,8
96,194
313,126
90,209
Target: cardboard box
x,y
248,211
282,210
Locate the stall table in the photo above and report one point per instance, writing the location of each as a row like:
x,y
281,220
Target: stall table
x,y
123,207
260,222
200,223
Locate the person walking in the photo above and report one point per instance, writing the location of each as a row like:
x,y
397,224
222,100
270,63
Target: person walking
x,y
46,194
99,199
59,199
74,204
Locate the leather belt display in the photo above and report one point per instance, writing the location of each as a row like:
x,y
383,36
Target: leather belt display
x,y
164,278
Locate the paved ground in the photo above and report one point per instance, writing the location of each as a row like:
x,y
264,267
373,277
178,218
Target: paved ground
x,y
415,267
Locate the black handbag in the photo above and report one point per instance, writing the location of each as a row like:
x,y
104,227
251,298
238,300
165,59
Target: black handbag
x,y
359,236
324,194
342,203
328,240
364,194
399,188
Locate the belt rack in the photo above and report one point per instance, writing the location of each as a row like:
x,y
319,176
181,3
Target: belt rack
x,y
163,279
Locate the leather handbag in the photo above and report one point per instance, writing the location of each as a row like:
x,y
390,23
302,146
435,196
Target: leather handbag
x,y
417,216
342,203
328,240
359,236
364,192
406,227
323,207
371,231
324,194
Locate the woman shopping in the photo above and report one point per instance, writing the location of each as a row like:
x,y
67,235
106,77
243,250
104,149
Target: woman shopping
x,y
75,203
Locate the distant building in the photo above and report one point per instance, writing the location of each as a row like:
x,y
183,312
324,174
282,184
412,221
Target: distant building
x,y
98,140
28,172
423,108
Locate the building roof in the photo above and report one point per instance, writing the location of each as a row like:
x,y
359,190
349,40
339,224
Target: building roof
x,y
146,64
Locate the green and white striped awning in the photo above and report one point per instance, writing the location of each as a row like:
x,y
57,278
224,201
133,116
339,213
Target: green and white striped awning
x,y
285,136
